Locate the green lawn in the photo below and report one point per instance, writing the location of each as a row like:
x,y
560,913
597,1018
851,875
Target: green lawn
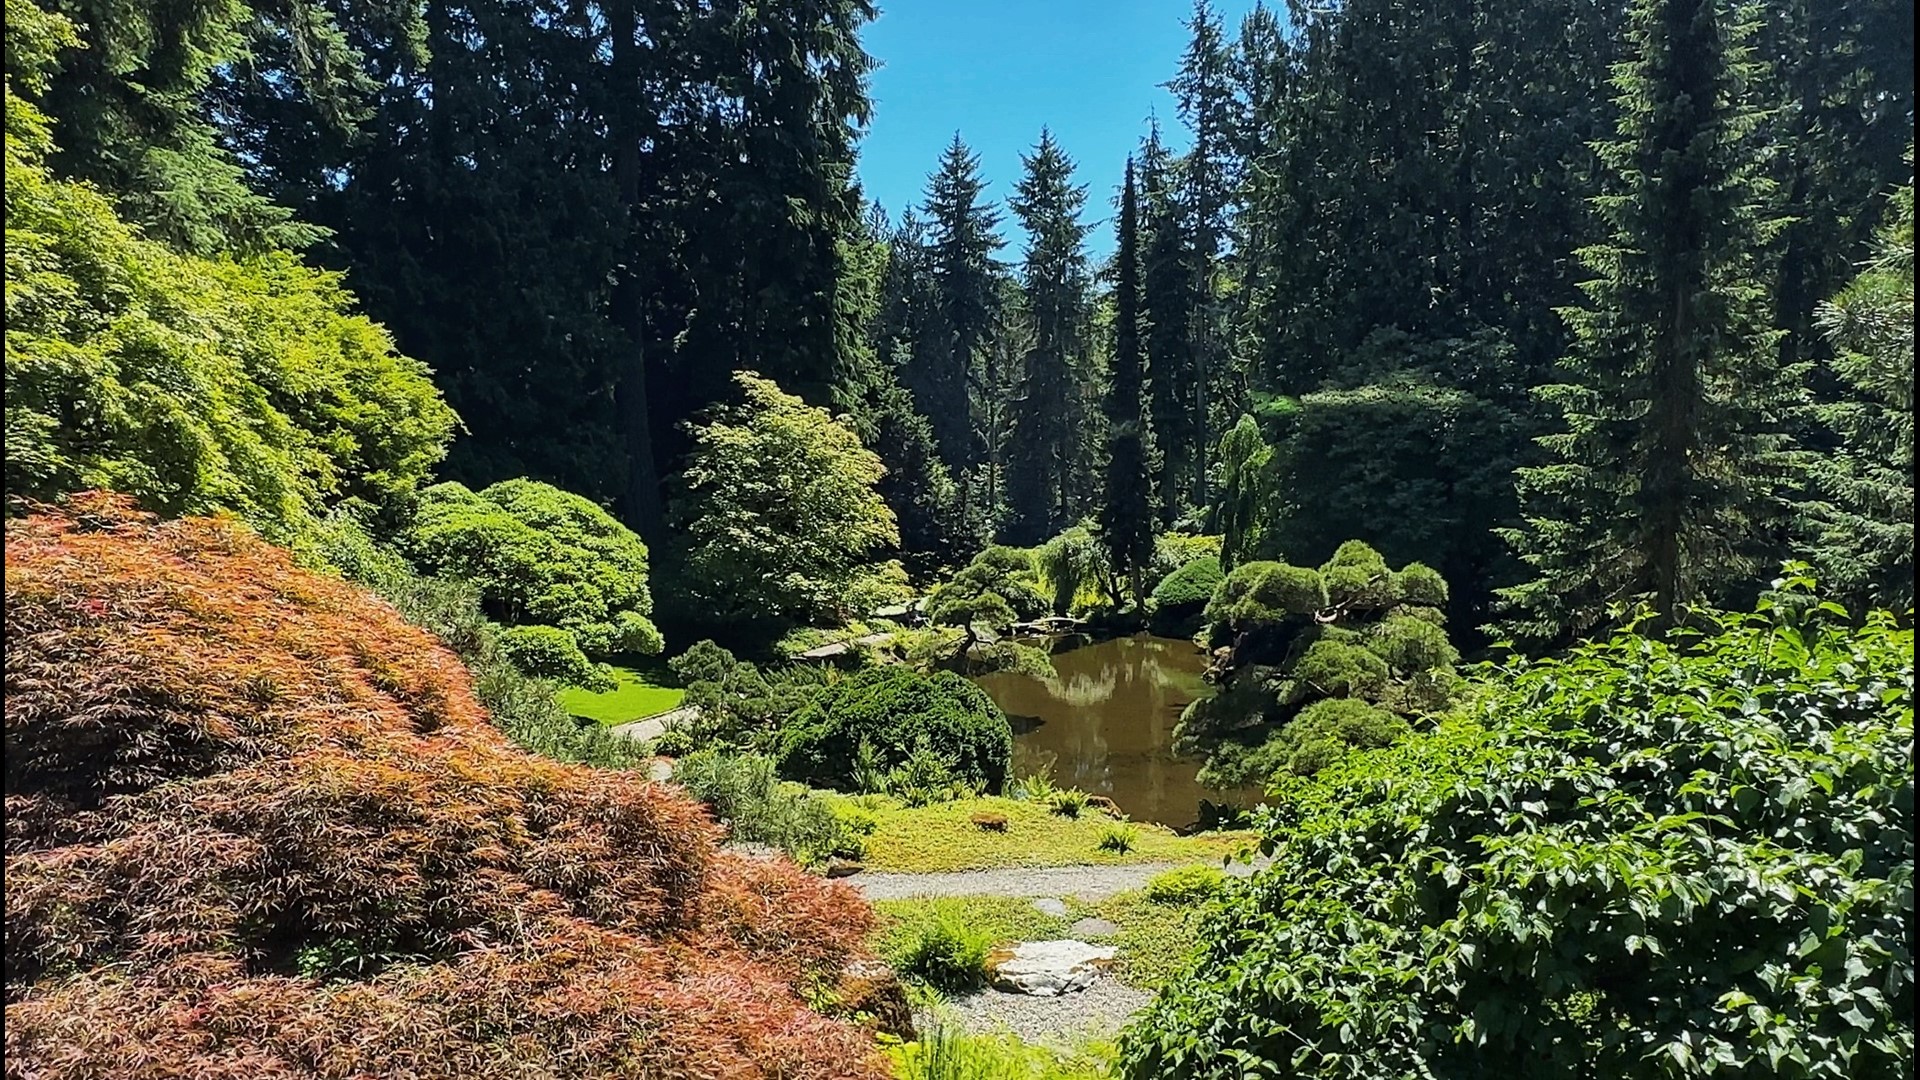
x,y
641,693
943,837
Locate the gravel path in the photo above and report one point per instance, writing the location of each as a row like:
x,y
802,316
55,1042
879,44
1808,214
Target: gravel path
x,y
1082,882
1097,1012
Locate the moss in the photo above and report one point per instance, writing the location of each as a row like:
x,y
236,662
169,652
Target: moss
x,y
943,837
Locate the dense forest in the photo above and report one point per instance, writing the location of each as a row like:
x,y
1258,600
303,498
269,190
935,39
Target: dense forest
x,y
1512,402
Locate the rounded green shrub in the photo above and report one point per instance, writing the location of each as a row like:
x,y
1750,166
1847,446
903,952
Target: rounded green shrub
x,y
896,710
1356,553
1418,583
541,557
1266,592
1192,585
1651,860
1353,586
1410,644
1325,731
1332,668
548,652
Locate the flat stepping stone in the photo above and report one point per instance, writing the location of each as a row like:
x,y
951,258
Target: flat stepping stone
x,y
1092,927
1048,968
1049,906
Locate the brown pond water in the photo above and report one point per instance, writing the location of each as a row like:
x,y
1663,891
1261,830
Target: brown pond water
x,y
1104,724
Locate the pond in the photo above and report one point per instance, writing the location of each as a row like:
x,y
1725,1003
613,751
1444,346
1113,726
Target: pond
x,y
1104,724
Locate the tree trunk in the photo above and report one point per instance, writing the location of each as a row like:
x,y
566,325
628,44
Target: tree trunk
x,y
642,502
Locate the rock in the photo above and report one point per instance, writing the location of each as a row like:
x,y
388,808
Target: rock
x,y
872,993
1050,906
660,769
1091,927
1047,968
838,867
990,822
1104,805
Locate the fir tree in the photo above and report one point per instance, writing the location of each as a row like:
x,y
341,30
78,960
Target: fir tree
x,y
965,290
1045,422
1171,306
1127,502
1667,483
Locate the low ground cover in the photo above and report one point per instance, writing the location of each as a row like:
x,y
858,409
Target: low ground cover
x,y
943,837
640,692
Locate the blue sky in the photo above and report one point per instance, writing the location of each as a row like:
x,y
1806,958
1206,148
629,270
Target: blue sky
x,y
998,70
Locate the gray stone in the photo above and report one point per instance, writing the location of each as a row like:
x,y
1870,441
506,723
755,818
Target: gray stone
x,y
1091,927
1048,968
1049,906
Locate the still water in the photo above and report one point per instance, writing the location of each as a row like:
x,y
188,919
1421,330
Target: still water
x,y
1104,724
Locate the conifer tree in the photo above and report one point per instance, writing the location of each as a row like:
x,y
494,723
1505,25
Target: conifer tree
x,y
1045,424
1127,502
965,298
1171,307
1667,483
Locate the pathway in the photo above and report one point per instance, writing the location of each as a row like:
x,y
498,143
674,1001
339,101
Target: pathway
x,y
1081,882
649,728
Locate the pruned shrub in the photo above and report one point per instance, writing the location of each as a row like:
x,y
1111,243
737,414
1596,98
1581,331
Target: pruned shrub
x,y
1418,583
1334,668
896,710
1409,644
222,770
1670,859
1266,592
548,652
541,557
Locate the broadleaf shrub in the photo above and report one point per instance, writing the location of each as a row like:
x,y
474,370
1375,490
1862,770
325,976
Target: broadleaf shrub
x,y
1670,859
897,711
222,769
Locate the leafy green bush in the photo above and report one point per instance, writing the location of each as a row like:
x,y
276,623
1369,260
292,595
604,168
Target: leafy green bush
x,y
541,557
1332,667
1186,885
736,705
743,792
1071,564
947,953
1651,859
1418,583
193,384
548,652
1037,787
1118,837
1191,586
1408,643
896,710
527,709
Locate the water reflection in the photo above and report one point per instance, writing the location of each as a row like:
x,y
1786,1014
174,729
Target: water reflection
x,y
1105,723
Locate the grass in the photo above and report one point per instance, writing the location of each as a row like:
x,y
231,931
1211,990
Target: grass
x,y
943,837
642,692
947,1054
1155,938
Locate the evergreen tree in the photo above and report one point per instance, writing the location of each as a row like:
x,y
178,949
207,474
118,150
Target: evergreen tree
x,y
1668,480
1053,299
946,372
1127,501
1171,307
1204,91
1863,516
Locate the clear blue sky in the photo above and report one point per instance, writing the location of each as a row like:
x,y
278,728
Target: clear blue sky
x,y
998,70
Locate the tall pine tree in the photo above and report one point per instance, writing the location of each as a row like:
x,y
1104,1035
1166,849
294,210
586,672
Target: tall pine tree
x,y
1046,423
1171,305
1127,500
1667,482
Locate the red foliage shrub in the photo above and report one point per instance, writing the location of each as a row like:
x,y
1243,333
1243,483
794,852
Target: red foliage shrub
x,y
257,826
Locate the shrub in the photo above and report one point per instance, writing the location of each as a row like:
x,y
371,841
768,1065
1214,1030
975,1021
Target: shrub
x,y
737,705
1118,837
1072,564
1653,858
897,710
525,708
1332,667
947,953
1418,583
193,384
1266,592
781,513
221,767
548,652
541,557
1191,586
742,792
948,1054
1410,644
1186,885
